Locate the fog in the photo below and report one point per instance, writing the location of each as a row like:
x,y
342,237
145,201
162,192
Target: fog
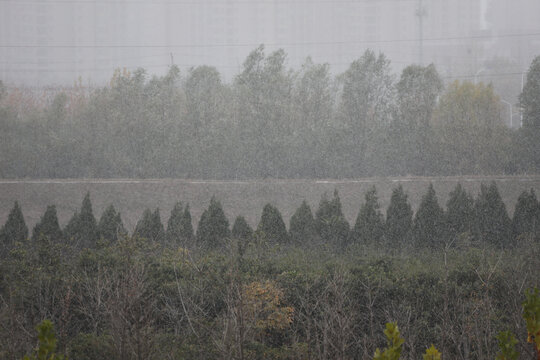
x,y
286,179
56,42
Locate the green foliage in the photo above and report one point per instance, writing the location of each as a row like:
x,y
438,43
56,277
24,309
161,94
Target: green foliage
x,y
179,227
270,121
110,225
417,90
302,225
48,227
394,344
47,343
136,296
399,218
213,226
272,225
459,216
471,134
330,223
264,85
432,354
417,93
150,226
365,107
241,229
429,222
531,314
526,220
492,221
157,230
369,226
82,229
507,346
14,230
529,99
367,86
186,226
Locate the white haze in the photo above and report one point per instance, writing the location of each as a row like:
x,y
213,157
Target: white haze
x,y
56,42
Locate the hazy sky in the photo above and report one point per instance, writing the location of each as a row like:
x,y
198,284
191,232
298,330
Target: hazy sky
x,y
52,42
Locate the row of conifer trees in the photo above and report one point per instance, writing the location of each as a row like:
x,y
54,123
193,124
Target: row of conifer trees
x,y
483,219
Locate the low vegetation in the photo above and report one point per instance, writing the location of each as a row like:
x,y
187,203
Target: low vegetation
x,y
453,277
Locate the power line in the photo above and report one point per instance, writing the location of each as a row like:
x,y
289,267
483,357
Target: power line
x,y
201,2
120,46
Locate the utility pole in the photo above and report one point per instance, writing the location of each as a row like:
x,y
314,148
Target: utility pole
x,y
420,12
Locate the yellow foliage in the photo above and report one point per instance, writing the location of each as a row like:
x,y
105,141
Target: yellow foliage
x,y
432,353
262,302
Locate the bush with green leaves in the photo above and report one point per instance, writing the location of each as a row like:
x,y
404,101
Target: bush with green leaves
x,y
394,345
507,346
46,349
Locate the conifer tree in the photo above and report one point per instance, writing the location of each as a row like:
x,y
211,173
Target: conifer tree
x,y
110,225
330,223
241,229
459,217
157,230
72,227
174,231
48,228
272,225
526,220
150,226
186,226
428,227
14,230
302,225
213,226
369,226
179,227
143,229
492,222
82,229
399,218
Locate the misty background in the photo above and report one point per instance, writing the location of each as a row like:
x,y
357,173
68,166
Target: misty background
x,y
59,42
268,89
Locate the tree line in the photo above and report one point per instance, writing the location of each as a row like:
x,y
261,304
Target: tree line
x,y
465,220
271,121
135,298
